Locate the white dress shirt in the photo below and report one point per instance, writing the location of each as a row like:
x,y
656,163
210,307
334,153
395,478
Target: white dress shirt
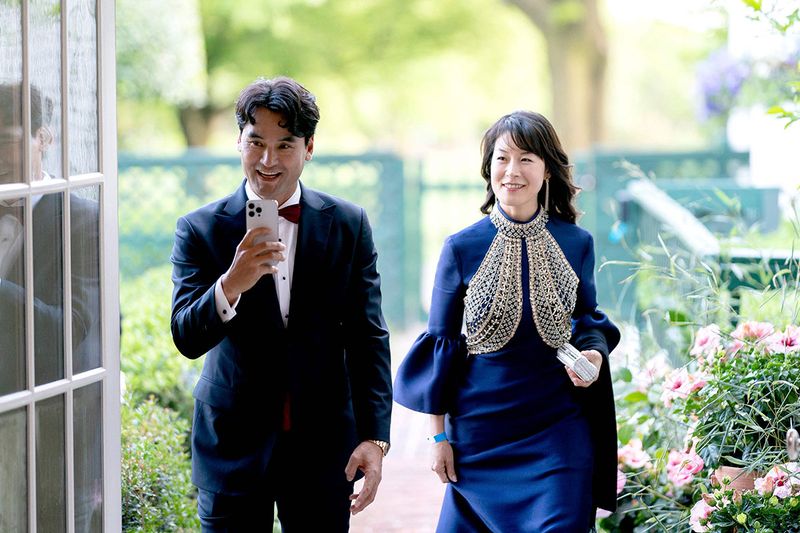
x,y
287,234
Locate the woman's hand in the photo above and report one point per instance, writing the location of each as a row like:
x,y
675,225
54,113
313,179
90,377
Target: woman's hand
x,y
596,359
442,462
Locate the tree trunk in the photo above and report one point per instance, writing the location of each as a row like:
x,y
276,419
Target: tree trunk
x,y
577,54
196,124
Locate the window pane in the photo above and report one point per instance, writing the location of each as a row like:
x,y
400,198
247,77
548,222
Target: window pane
x,y
51,505
13,471
48,288
82,51
85,223
10,95
88,432
10,133
12,296
45,74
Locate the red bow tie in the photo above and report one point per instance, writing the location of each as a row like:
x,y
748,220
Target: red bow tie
x,y
290,213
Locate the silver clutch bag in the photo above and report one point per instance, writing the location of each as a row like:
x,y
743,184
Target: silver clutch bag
x,y
577,362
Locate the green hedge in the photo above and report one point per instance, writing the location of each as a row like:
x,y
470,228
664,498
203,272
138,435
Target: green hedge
x,y
151,364
157,494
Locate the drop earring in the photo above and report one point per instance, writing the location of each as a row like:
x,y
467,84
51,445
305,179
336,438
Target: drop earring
x,y
546,194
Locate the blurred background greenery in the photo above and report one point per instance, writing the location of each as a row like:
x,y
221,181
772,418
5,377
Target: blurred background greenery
x,y
677,94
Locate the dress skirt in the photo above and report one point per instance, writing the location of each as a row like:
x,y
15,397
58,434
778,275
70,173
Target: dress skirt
x,y
522,447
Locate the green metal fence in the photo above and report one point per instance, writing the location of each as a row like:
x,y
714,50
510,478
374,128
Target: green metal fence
x,y
154,192
411,214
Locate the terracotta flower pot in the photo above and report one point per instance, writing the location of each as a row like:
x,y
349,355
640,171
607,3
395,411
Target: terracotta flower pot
x,y
740,478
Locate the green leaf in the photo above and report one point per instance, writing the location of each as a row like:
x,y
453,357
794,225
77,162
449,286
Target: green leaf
x,y
635,397
625,433
623,374
755,5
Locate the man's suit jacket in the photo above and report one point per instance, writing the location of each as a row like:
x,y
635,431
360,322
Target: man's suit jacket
x,y
332,358
48,295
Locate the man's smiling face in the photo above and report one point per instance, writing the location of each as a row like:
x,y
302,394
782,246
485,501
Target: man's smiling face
x,y
272,158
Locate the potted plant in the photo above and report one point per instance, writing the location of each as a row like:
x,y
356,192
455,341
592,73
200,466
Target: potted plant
x,y
738,396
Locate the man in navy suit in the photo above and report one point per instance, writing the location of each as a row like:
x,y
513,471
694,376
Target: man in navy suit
x,y
294,400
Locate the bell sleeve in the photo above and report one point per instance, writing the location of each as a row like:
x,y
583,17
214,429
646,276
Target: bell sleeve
x,y
425,378
591,328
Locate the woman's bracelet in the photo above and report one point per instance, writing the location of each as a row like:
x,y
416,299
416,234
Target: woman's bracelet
x,y
441,437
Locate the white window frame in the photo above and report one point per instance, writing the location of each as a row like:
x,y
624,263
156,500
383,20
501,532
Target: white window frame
x,y
106,180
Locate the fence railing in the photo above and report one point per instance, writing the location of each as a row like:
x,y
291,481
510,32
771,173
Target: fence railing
x,y
411,215
155,191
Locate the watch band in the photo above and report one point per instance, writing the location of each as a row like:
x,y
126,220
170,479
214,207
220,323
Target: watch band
x,y
382,444
441,437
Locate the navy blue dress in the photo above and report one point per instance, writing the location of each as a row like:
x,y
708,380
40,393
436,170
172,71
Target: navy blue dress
x,y
533,453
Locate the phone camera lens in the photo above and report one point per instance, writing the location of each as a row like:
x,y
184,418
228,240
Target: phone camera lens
x,y
251,205
258,209
252,213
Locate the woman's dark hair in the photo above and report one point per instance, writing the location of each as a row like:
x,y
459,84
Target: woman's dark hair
x,y
533,133
284,96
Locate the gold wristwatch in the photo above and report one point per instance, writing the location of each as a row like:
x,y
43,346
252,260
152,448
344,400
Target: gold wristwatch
x,y
382,444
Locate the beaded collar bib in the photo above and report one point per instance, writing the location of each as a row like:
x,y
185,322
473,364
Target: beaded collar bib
x,y
493,303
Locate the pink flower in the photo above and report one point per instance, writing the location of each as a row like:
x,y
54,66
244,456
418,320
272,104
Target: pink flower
x,y
780,481
679,383
707,342
753,331
602,513
683,466
655,369
734,347
621,480
633,455
764,485
786,342
700,511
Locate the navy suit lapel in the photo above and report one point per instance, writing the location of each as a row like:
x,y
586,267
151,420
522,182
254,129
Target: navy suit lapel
x,y
312,237
262,298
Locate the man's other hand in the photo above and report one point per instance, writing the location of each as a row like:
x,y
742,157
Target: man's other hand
x,y
367,457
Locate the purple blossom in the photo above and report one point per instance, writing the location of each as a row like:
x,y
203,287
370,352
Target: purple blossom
x,y
720,78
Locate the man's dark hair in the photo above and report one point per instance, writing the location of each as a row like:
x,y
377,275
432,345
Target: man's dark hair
x,y
11,107
284,96
533,133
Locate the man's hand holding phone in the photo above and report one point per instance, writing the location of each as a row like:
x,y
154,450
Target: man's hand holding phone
x,y
257,253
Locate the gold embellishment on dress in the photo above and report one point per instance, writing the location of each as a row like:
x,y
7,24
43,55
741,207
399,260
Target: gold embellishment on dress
x,y
493,303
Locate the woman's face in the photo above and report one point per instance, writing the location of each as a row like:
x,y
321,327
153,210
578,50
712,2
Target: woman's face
x,y
517,177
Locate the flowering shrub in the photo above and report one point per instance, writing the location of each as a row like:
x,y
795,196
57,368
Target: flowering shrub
x,y
773,507
731,403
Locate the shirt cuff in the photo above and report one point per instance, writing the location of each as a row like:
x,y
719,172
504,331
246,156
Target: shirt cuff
x,y
225,311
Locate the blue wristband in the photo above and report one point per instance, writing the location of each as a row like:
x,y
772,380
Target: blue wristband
x,y
441,437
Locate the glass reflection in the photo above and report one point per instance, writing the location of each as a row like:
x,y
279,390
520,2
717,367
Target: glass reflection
x,y
85,235
13,471
10,95
45,73
48,287
12,296
88,434
82,83
10,133
51,505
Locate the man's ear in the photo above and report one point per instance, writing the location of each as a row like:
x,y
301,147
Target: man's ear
x,y
45,137
239,143
310,148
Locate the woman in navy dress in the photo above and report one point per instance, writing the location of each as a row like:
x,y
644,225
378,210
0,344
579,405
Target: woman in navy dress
x,y
524,443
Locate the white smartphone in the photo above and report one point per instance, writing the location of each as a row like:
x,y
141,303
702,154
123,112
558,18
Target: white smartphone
x,y
263,214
